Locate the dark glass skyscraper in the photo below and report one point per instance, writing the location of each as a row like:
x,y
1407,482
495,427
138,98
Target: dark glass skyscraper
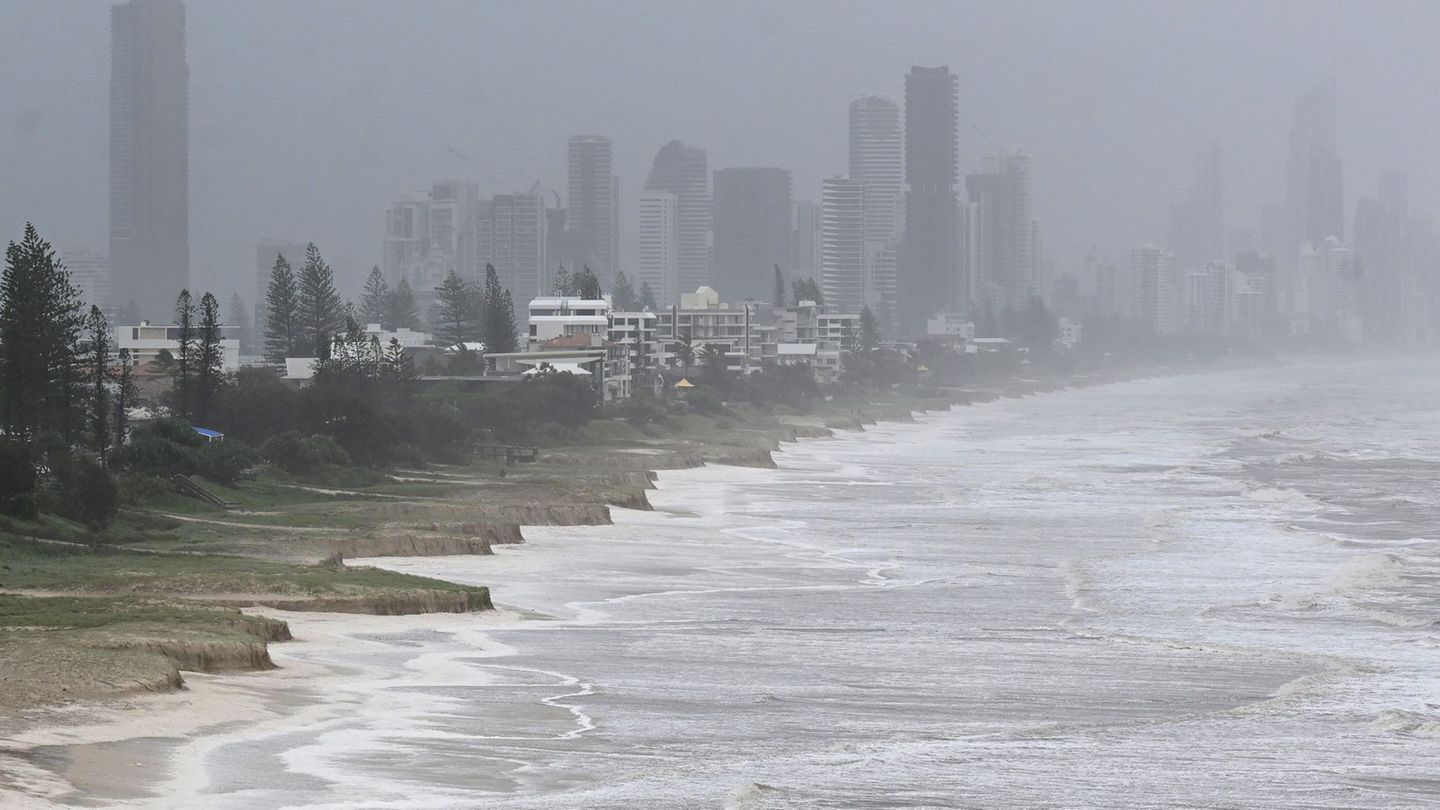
x,y
593,218
928,265
149,156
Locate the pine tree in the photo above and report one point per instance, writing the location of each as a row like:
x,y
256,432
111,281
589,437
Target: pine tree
x,y
564,283
40,322
282,326
455,309
124,395
805,289
99,410
624,294
587,285
508,328
400,309
185,355
318,305
499,319
647,296
396,364
373,300
209,357
779,297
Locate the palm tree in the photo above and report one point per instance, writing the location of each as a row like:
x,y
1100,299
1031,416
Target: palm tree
x,y
686,351
713,358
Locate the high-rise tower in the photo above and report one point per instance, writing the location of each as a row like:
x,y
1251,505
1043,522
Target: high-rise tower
x,y
149,156
927,278
593,216
683,171
842,244
877,161
1007,272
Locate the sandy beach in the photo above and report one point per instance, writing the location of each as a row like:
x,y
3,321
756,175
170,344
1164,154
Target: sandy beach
x,y
148,750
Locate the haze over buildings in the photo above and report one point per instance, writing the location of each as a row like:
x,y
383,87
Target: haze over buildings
x,y
1279,102
149,153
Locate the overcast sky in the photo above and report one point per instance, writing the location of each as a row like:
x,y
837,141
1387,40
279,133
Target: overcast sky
x,y
308,118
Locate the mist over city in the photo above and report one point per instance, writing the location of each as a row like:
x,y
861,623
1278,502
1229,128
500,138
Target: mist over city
x,y
755,405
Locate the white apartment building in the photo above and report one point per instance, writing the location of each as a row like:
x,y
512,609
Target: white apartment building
x,y
659,254
560,316
145,342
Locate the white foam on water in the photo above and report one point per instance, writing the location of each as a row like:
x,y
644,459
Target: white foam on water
x,y
1074,600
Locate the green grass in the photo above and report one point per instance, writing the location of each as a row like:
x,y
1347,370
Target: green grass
x,y
27,565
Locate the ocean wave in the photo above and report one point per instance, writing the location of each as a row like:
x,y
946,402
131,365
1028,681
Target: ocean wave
x,y
1281,495
745,797
1408,723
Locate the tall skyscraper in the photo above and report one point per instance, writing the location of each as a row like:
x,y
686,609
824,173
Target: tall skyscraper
x,y
149,157
1007,272
927,277
683,171
1151,288
842,244
752,211
806,225
593,216
1314,188
512,230
659,245
877,161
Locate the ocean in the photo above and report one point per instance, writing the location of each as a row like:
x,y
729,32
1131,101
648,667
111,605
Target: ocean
x,y
1218,590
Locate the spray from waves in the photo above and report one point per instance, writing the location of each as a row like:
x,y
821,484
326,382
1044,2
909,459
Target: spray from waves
x,y
1407,723
1283,496
747,796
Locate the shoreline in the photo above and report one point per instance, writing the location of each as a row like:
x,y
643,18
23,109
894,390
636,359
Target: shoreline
x,y
96,742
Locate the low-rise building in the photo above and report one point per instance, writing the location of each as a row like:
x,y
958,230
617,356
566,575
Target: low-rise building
x,y
559,316
145,342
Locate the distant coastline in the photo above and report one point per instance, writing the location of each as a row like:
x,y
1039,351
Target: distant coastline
x,y
571,486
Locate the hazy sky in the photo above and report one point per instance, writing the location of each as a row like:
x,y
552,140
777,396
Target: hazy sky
x,y
308,118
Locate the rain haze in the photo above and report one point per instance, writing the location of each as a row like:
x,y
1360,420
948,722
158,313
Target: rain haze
x,y
308,118
748,405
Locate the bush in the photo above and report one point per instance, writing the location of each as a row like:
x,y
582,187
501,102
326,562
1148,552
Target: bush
x,y
80,489
642,408
703,399
18,479
94,495
163,448
138,487
223,462
296,453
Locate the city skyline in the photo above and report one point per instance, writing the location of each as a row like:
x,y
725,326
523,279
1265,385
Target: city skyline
x,y
809,142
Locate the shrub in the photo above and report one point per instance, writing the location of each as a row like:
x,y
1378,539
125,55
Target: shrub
x,y
163,448
293,452
642,408
80,489
223,462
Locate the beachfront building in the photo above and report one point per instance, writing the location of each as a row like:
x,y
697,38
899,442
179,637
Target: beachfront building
x,y
638,333
806,334
563,315
145,343
703,319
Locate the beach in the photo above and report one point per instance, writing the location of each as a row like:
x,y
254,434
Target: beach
x,y
1214,590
